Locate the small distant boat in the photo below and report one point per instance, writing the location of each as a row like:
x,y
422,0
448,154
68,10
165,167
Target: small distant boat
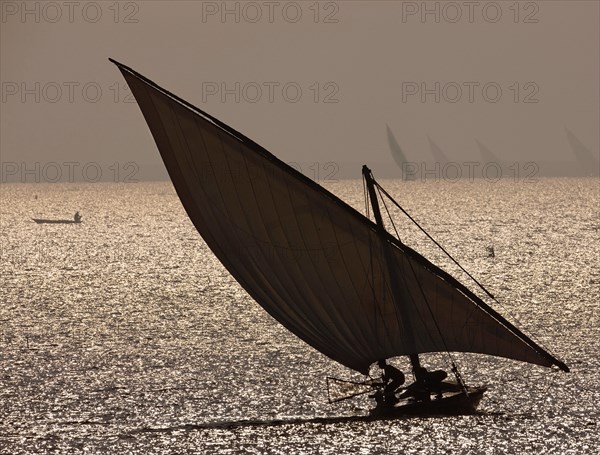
x,y
76,220
40,221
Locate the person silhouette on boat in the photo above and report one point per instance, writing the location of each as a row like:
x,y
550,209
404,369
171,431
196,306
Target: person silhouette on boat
x,y
428,382
392,379
77,217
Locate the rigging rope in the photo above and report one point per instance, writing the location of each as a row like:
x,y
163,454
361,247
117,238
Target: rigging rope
x,y
371,265
367,196
451,359
388,213
381,189
436,243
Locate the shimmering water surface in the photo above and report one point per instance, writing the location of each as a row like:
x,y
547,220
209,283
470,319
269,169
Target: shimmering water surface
x,y
125,335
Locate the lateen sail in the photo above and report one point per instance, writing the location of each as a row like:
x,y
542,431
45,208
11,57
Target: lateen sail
x,y
310,260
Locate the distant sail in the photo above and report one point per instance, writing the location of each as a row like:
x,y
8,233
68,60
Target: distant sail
x,y
438,155
486,154
310,260
396,150
588,162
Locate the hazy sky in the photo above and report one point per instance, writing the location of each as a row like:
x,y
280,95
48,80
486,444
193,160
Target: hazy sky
x,y
313,82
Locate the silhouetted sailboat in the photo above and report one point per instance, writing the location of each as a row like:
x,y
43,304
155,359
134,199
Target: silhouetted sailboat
x,y
487,154
330,275
398,155
76,220
588,163
439,156
584,165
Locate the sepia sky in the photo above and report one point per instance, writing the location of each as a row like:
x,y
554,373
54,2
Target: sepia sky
x,y
312,82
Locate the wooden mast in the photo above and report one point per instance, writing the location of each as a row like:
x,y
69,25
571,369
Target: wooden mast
x,y
414,358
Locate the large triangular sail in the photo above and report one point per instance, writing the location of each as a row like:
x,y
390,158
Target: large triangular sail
x,y
311,261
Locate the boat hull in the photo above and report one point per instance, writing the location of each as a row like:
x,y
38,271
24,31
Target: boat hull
x,y
39,221
451,403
